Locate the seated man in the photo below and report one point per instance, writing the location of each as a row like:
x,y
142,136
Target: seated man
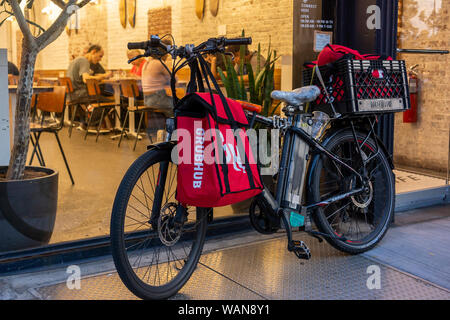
x,y
80,70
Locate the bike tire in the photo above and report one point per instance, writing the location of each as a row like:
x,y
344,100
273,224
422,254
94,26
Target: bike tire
x,y
379,208
121,236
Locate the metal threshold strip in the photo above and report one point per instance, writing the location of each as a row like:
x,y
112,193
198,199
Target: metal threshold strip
x,y
66,252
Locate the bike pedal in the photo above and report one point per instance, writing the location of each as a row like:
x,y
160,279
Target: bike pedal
x,y
300,249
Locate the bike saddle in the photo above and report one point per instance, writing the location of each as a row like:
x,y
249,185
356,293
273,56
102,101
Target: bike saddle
x,y
297,96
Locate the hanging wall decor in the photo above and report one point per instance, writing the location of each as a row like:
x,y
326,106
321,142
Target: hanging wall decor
x,y
199,8
73,23
123,13
131,12
214,7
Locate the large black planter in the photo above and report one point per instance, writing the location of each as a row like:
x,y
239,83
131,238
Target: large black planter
x,y
28,210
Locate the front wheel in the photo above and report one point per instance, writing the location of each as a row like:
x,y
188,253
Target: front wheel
x,y
155,241
363,219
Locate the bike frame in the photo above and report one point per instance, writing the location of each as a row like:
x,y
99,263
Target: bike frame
x,y
291,131
316,147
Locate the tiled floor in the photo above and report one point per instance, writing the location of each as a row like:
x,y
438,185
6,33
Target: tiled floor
x,y
407,181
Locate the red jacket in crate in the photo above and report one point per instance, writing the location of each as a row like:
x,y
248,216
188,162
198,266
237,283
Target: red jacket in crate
x,y
355,83
216,166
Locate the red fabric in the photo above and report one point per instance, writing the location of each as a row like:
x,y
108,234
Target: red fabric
x,y
201,176
137,70
334,52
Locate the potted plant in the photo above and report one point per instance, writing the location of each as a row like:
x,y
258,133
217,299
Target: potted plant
x,y
257,90
28,195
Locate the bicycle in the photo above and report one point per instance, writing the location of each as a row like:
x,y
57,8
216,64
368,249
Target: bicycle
x,y
156,242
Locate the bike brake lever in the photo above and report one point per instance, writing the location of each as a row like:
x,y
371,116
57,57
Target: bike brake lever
x,y
135,58
229,54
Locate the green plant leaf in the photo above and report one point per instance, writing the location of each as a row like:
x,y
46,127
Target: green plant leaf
x,y
275,109
259,79
268,88
226,82
258,67
234,82
251,84
242,89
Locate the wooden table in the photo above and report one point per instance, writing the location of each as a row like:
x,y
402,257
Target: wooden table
x,y
115,83
48,80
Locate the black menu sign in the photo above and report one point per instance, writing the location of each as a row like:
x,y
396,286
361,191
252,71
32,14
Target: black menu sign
x,y
314,24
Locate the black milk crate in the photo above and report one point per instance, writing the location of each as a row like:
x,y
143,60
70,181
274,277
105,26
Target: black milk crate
x,y
361,86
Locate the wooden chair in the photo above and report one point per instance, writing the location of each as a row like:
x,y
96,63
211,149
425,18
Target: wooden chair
x,y
49,102
130,90
72,103
99,103
12,79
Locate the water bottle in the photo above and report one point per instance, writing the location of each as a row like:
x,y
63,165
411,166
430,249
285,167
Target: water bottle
x,y
319,122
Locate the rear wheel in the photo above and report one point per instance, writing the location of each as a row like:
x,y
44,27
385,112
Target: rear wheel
x,y
363,219
156,243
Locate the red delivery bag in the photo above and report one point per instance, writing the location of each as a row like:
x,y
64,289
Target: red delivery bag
x,y
216,165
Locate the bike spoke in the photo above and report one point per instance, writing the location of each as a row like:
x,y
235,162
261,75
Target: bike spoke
x,y
154,261
338,210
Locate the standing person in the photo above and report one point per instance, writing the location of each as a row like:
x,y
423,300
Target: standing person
x,y
155,78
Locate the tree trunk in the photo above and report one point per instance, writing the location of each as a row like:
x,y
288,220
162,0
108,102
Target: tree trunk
x,y
31,46
19,153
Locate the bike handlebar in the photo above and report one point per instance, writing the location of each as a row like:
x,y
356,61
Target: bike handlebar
x,y
237,41
213,44
137,45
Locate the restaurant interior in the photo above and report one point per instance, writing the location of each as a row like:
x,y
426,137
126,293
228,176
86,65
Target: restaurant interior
x,y
92,159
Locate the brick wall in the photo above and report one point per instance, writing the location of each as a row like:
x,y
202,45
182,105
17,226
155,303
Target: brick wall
x,y
160,21
425,144
93,30
262,20
118,36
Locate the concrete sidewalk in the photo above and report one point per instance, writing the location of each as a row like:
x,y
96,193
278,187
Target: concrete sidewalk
x,y
413,261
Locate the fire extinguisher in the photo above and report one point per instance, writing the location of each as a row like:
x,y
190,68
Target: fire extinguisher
x,y
411,114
